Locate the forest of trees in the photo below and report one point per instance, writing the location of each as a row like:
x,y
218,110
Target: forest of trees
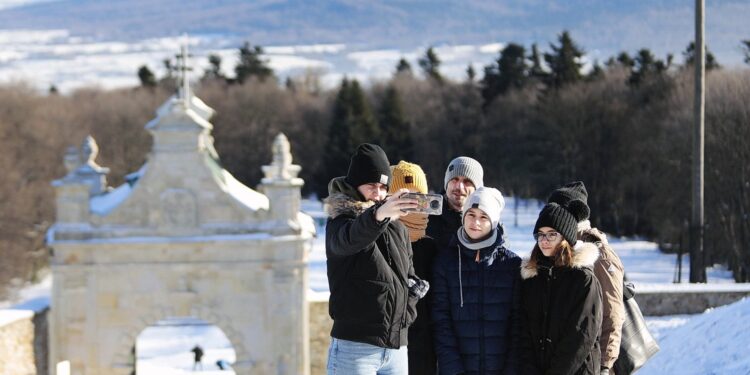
x,y
535,119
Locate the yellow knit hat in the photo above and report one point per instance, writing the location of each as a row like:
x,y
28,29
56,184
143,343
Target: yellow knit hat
x,y
408,175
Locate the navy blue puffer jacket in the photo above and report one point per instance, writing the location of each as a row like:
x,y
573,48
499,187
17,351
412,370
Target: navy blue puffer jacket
x,y
482,336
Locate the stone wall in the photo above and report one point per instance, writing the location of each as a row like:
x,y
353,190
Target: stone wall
x,y
659,303
23,343
320,333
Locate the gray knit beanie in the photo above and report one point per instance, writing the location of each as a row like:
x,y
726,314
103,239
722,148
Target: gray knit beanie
x,y
467,167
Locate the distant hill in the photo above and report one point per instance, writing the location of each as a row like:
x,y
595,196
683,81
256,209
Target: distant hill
x,y
602,27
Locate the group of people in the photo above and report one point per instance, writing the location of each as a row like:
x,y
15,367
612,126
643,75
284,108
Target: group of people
x,y
442,294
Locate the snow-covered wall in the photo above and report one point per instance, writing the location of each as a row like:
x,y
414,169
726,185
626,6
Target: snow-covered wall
x,y
23,342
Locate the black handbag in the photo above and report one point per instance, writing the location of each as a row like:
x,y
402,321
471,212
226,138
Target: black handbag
x,y
637,344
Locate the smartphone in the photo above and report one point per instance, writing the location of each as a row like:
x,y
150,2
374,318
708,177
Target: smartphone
x,y
431,204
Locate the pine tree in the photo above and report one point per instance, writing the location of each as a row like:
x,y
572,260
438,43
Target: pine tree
x,y
596,72
646,65
746,50
536,70
623,60
252,64
689,56
146,76
564,62
169,68
395,129
471,74
403,67
508,71
430,64
352,123
214,69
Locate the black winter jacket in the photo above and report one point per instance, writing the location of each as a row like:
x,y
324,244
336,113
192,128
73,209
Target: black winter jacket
x,y
422,359
444,226
369,264
483,336
562,311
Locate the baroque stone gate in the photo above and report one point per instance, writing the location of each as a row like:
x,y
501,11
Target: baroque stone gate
x,y
181,238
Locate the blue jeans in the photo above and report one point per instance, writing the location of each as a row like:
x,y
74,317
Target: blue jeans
x,y
356,358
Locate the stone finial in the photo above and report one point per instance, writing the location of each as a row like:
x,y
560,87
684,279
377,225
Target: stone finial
x,y
83,169
281,167
89,152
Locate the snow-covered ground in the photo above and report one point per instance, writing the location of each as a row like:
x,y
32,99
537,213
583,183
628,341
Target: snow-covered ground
x,y
708,343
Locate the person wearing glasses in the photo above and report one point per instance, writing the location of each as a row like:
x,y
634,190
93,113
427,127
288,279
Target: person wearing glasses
x,y
476,294
608,270
561,299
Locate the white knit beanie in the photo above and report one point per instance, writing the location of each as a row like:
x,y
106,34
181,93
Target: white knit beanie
x,y
487,199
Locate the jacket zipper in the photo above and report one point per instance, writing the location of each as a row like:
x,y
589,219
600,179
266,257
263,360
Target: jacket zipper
x,y
481,318
545,337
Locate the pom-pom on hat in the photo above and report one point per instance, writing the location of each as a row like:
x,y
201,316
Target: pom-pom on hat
x,y
568,193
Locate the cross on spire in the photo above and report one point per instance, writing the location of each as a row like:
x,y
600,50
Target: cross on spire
x,y
182,69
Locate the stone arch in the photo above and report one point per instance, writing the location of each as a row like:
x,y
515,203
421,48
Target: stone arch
x,y
128,338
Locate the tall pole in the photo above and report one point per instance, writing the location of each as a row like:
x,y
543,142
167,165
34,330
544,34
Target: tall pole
x,y
697,268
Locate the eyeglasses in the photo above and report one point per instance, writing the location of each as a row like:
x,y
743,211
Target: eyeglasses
x,y
550,237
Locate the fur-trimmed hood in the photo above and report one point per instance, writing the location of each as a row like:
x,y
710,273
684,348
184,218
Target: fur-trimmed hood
x,y
343,199
588,234
584,255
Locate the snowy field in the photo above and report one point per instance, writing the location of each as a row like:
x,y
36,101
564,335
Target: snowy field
x,y
711,343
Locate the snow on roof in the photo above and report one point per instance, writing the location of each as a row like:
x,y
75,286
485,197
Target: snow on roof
x,y
10,316
242,193
167,239
248,197
105,203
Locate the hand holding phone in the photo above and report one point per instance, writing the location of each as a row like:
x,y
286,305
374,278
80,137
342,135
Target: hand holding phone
x,y
431,204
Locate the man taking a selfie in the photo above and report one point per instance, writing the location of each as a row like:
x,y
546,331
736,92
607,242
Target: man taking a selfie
x,y
374,289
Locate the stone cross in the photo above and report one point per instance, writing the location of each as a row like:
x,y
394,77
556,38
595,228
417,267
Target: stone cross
x,y
183,68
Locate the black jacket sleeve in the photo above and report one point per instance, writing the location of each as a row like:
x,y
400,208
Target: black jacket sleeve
x,y
346,235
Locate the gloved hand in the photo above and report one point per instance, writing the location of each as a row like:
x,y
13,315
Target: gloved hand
x,y
604,371
418,287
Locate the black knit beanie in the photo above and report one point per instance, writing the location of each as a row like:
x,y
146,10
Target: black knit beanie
x,y
570,192
560,219
368,165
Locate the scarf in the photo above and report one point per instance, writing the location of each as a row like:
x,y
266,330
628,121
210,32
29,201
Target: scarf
x,y
471,244
416,223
